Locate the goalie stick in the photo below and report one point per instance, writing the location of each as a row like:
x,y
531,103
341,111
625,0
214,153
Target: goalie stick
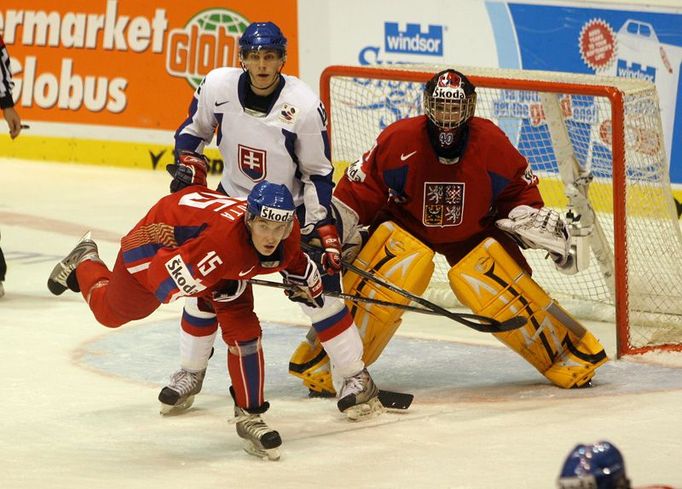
x,y
483,324
395,400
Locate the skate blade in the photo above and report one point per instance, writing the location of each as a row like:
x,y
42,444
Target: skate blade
x,y
170,410
364,411
262,453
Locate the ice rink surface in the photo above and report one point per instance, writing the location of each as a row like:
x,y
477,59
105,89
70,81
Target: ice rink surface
x,y
80,408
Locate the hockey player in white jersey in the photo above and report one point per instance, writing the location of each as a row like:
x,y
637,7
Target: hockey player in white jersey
x,y
268,125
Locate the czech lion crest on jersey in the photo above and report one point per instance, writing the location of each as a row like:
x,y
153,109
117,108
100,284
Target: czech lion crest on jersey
x,y
443,204
252,162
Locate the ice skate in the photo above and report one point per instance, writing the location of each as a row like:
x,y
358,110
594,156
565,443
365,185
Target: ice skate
x,y
259,439
359,397
63,276
178,396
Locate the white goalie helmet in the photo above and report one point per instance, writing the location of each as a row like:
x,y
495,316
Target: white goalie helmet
x,y
449,99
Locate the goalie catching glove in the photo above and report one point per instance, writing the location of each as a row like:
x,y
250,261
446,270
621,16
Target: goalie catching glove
x,y
306,288
538,229
190,168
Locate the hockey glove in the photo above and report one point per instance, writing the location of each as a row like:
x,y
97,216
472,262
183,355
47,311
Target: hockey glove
x,y
538,229
228,290
329,257
307,288
190,168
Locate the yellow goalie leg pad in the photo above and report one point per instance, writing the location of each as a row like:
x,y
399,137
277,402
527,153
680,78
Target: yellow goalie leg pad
x,y
393,255
492,284
311,364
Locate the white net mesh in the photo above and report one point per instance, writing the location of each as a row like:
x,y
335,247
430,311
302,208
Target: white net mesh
x,y
549,127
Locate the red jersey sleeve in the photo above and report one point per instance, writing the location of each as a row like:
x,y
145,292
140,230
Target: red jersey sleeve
x,y
521,187
362,187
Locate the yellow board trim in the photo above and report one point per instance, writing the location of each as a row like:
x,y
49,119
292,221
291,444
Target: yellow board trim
x,y
91,152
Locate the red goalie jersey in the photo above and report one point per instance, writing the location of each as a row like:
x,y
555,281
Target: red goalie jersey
x,y
401,178
192,239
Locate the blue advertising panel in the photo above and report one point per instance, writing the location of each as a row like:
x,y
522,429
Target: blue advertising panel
x,y
632,43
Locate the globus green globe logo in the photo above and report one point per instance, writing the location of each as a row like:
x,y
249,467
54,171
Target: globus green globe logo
x,y
209,40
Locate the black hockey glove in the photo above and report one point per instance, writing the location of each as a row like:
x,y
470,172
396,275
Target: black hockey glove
x,y
189,169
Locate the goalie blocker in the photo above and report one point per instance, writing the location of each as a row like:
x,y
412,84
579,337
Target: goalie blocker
x,y
491,283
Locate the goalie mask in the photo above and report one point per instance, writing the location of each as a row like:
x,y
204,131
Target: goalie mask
x,y
449,103
596,466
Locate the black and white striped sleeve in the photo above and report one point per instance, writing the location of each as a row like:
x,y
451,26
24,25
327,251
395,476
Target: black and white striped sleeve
x,y
6,83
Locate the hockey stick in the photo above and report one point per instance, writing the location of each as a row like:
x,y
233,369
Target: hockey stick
x,y
349,297
483,324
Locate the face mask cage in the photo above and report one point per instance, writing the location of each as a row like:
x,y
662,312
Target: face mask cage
x,y
449,112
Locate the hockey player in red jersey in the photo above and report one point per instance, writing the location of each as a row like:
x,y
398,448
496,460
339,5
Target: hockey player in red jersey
x,y
449,182
443,182
203,244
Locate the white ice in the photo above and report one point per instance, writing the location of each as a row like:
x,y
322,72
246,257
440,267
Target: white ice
x,y
79,406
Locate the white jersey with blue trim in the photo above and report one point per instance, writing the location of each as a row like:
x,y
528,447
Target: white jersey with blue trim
x,y
288,145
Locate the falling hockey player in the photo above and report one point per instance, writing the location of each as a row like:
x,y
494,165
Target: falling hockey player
x,y
203,244
453,183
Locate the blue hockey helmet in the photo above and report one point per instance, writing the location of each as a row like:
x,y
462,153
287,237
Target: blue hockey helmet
x,y
596,466
271,202
262,35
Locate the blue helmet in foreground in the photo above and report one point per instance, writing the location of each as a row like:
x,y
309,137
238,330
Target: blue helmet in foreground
x,y
262,35
596,466
270,201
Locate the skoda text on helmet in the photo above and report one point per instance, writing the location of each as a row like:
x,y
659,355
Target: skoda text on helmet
x,y
271,202
596,466
449,99
262,35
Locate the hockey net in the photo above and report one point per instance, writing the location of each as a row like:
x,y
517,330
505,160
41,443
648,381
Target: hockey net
x,y
596,143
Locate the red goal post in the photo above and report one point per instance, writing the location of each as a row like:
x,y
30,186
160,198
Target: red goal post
x,y
596,144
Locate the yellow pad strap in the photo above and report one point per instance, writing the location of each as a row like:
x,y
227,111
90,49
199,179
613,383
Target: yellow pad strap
x,y
311,364
492,284
395,256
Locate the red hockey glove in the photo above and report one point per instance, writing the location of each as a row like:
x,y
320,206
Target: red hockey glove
x,y
331,257
307,288
189,169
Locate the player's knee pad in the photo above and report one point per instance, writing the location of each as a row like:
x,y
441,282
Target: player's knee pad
x,y
492,284
311,364
395,256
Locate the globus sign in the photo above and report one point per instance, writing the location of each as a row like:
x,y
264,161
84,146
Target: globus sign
x,y
208,40
125,64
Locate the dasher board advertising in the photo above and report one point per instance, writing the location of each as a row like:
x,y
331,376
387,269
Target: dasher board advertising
x,y
123,63
625,43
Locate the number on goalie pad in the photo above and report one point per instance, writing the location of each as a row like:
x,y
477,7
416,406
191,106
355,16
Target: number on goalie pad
x,y
492,284
393,255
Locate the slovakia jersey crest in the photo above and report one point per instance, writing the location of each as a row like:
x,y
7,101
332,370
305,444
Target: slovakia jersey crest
x,y
443,204
252,162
